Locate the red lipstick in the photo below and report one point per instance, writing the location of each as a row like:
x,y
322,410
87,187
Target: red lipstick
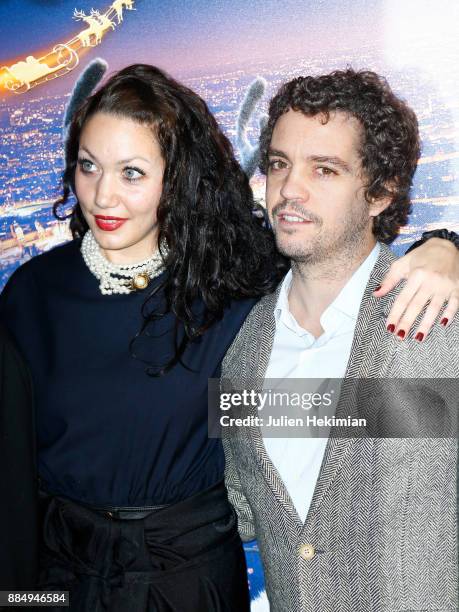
x,y
109,224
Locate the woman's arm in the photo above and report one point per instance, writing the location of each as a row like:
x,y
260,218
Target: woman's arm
x,y
431,269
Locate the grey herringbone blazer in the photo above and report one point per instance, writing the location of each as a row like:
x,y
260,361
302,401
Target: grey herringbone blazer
x,y
383,516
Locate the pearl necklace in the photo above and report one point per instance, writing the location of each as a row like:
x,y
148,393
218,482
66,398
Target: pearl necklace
x,y
123,278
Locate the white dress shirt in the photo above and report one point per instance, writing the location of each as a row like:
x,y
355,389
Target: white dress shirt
x,y
296,353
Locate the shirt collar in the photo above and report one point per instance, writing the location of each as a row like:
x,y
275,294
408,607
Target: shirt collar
x,y
282,306
347,301
349,298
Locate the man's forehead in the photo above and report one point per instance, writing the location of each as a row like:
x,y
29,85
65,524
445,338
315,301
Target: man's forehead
x,y
339,133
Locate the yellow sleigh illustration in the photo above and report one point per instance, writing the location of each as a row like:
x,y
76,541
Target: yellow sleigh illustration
x,y
28,73
24,75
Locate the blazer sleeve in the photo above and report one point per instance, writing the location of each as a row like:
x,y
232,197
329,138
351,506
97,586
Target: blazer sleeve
x,y
236,495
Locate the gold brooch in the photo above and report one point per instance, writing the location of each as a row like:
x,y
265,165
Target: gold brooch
x,y
140,281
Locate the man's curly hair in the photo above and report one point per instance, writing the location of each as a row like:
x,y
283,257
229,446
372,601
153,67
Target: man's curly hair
x,y
390,146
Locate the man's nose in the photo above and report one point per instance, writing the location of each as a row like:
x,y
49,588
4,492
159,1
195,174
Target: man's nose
x,y
106,192
295,186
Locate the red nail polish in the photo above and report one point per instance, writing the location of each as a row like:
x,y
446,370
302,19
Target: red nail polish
x,y
391,328
401,333
444,322
378,288
419,336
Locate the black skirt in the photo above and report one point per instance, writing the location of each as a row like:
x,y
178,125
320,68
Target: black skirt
x,y
187,557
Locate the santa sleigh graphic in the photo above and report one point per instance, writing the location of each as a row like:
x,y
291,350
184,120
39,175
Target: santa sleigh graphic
x,y
24,75
28,73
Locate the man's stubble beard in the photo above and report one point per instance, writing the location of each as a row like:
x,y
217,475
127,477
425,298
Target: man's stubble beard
x,y
329,254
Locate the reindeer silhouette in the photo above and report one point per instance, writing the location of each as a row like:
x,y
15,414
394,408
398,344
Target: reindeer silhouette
x,y
94,28
105,22
119,5
98,24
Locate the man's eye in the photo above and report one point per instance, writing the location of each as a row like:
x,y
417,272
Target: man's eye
x,y
86,165
133,174
325,171
276,164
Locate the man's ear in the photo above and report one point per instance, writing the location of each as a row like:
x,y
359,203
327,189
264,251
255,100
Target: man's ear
x,y
378,205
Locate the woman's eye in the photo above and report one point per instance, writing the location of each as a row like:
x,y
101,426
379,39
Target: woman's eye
x,y
133,174
86,165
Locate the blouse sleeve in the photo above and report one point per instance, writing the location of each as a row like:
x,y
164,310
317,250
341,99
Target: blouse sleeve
x,y
18,471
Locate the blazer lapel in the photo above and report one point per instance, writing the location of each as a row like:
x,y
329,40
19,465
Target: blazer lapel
x,y
264,326
368,331
361,364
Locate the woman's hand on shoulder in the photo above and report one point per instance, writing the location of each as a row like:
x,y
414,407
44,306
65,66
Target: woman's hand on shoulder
x,y
431,272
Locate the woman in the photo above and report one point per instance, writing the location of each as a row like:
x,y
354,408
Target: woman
x,y
122,328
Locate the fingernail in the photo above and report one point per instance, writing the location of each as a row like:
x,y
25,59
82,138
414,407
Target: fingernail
x,y
378,288
391,328
401,333
444,322
419,336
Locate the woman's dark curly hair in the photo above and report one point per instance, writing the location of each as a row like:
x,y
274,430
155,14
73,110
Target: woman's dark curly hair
x,y
217,249
390,146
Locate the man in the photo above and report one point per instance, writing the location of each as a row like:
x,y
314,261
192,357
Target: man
x,y
351,524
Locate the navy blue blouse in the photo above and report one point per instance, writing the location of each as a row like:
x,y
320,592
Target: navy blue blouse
x,y
109,434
